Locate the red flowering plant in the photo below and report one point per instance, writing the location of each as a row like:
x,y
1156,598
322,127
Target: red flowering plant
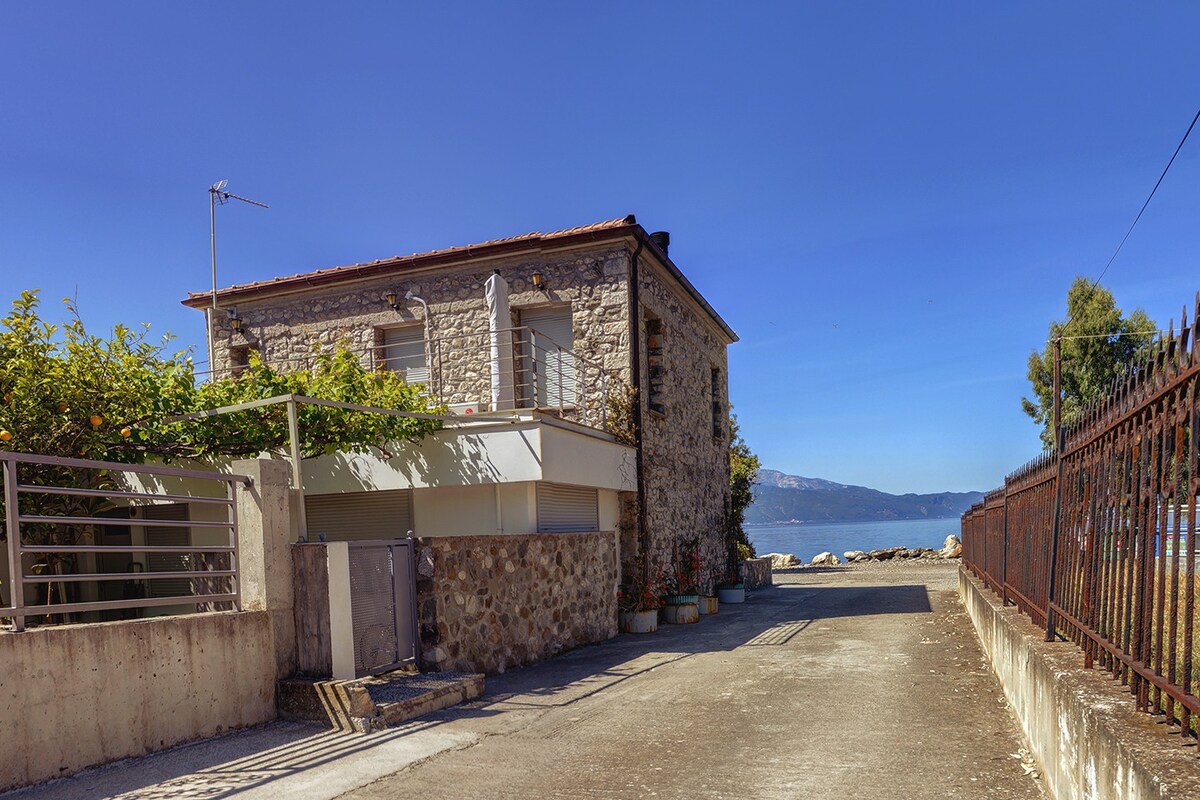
x,y
643,590
688,571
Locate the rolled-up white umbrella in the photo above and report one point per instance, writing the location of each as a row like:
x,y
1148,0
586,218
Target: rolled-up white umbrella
x,y
500,326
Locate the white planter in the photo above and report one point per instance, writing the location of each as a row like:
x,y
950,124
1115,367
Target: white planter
x,y
708,605
735,595
683,614
638,621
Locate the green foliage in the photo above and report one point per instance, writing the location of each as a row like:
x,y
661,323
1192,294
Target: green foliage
x,y
743,469
1098,354
67,393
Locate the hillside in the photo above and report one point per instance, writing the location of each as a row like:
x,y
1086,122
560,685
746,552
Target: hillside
x,y
782,498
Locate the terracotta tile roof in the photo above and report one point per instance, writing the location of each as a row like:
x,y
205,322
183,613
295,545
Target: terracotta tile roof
x,y
366,268
627,225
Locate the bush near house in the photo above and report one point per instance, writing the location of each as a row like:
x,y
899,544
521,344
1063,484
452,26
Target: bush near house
x,y
67,392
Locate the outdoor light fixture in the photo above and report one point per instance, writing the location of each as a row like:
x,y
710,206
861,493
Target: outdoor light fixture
x,y
235,321
390,297
539,281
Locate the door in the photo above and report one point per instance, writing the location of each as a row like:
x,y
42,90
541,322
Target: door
x,y
382,605
548,357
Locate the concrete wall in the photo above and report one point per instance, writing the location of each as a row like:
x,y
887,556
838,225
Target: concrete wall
x,y
1080,725
79,695
489,603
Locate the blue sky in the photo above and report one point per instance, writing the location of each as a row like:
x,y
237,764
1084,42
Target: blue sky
x,y
887,201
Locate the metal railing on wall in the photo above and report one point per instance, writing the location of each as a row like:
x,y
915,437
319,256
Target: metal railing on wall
x,y
52,540
1093,541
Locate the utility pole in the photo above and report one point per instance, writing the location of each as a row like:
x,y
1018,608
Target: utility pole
x,y
217,196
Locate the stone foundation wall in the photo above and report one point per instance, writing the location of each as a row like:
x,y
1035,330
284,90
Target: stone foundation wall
x,y
756,572
489,603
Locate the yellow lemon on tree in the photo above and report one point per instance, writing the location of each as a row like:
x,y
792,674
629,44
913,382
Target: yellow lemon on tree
x,y
126,432
5,436
96,420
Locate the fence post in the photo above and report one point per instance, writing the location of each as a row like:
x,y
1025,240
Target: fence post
x,y
12,527
1004,554
264,513
1058,488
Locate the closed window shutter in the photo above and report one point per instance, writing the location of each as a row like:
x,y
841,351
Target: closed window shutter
x,y
553,338
404,352
564,509
359,515
168,562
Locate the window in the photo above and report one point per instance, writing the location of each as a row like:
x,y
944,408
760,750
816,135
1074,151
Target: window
x,y
548,361
656,370
239,359
403,351
564,509
718,407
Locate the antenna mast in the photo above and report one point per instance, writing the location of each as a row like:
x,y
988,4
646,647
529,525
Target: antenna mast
x,y
217,196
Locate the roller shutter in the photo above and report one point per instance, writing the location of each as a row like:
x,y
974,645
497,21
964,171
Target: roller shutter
x,y
562,509
404,352
359,515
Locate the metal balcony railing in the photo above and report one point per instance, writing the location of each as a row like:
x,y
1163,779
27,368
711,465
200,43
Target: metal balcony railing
x,y
533,372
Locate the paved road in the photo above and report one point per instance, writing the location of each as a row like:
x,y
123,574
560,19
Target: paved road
x,y
863,682
847,683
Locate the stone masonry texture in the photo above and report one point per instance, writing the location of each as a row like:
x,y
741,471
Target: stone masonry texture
x,y
685,460
490,603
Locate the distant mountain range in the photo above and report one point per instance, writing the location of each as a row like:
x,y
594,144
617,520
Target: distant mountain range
x,y
780,498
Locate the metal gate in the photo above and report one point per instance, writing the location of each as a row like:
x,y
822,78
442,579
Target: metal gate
x,y
383,605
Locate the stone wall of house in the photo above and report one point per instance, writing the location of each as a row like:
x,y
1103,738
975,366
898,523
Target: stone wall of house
x,y
685,462
594,282
489,603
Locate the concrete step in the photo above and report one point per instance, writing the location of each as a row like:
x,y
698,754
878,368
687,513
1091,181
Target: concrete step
x,y
375,702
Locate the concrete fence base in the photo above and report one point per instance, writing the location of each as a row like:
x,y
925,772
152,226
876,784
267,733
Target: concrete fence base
x,y
1080,725
78,695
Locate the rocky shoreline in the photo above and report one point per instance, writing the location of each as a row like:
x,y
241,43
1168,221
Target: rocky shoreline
x,y
951,549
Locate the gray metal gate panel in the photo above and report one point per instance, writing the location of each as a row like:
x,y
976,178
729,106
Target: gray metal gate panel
x,y
382,605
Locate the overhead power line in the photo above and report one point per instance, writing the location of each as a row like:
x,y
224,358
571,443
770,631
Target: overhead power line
x,y
1136,219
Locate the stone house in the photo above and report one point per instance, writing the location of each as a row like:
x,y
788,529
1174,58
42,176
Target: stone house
x,y
594,401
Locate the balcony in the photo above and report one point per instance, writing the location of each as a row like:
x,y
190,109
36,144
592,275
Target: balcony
x,y
510,369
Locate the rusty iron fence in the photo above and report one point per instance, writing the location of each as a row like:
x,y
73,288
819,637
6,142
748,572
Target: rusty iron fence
x,y
1094,541
45,550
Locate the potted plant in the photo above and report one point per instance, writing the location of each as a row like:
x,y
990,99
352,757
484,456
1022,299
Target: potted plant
x,y
681,605
638,601
731,590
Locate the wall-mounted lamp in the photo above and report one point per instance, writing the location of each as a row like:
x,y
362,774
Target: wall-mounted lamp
x,y
539,282
390,297
235,321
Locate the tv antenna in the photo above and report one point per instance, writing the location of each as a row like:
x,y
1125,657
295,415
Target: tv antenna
x,y
217,196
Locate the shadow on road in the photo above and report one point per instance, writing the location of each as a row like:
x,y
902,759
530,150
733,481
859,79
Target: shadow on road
x,y
772,616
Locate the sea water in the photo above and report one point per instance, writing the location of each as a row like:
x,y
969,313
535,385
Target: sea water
x,y
807,539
